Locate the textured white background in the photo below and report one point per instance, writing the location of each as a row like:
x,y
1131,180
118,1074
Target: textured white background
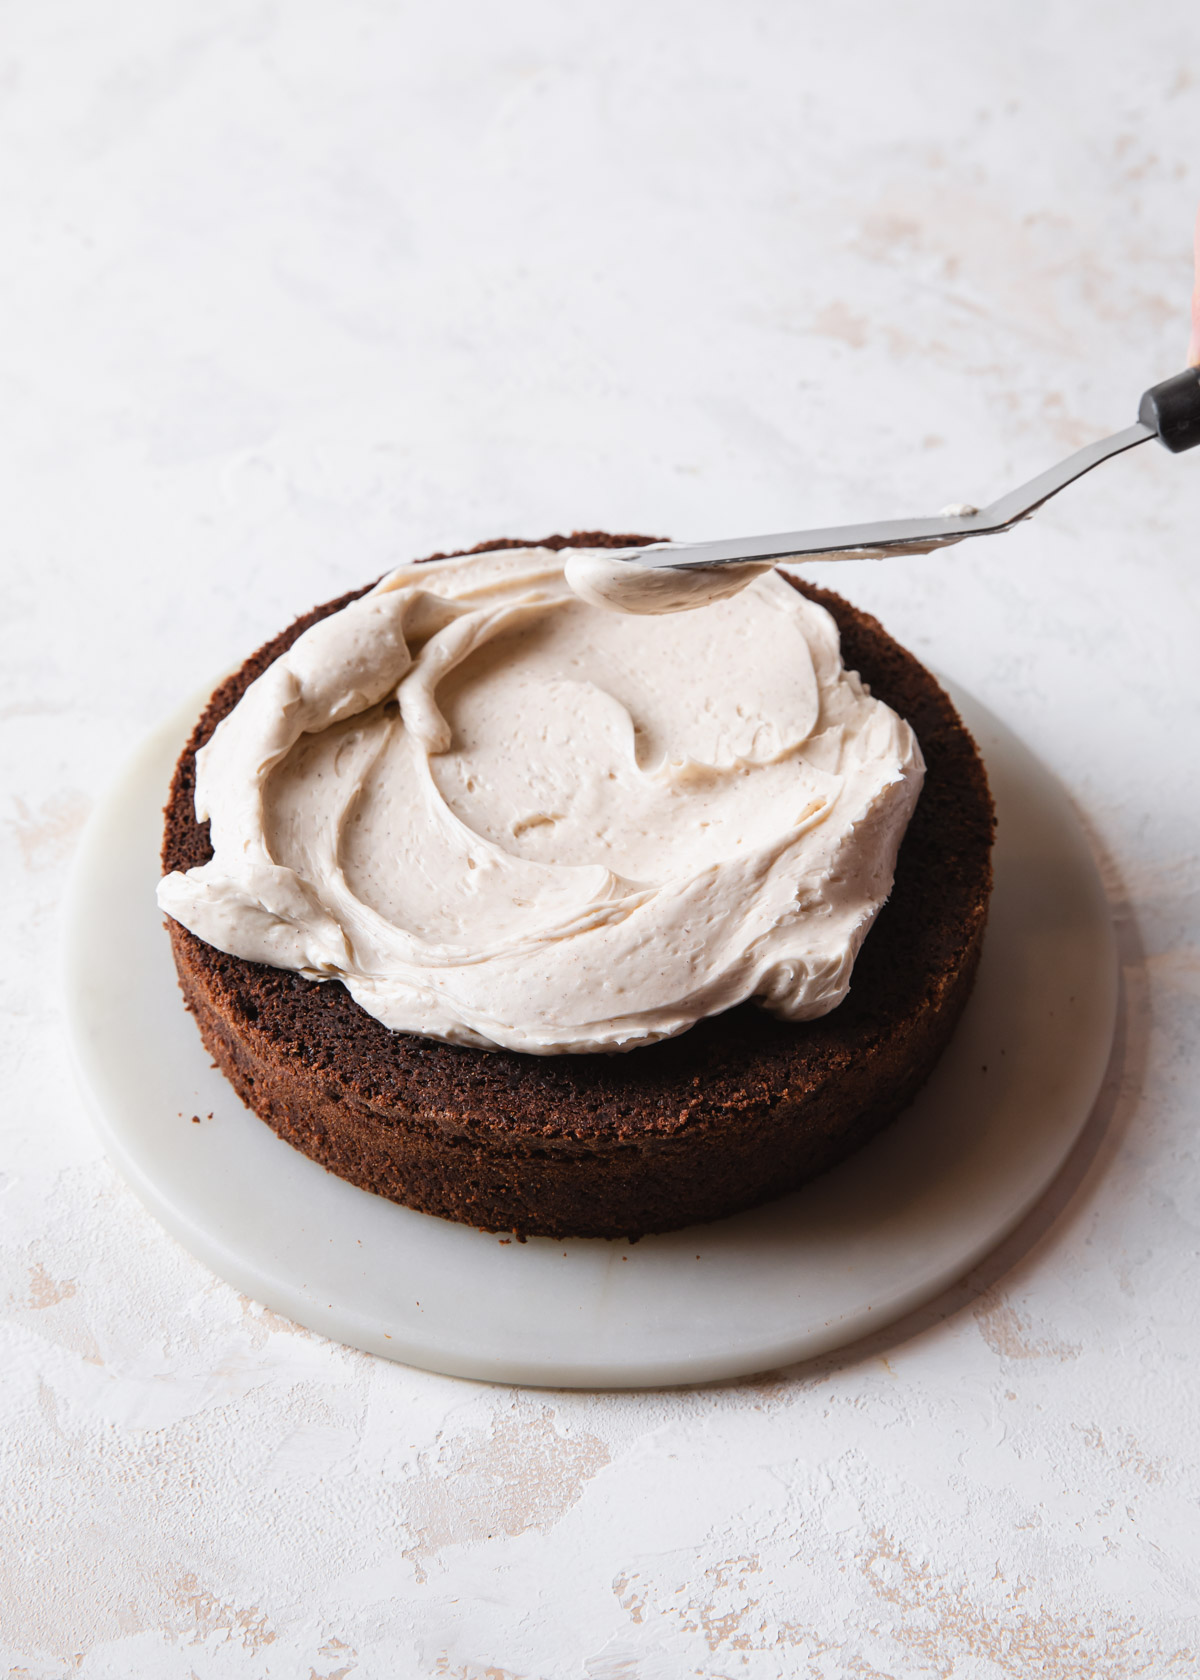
x,y
291,292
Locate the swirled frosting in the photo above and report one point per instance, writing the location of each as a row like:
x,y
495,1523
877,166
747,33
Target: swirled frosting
x,y
603,579
504,816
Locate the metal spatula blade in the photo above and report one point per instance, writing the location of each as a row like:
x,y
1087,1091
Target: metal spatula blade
x,y
1169,412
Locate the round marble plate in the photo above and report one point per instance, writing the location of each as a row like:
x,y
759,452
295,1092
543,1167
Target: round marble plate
x,y
884,1232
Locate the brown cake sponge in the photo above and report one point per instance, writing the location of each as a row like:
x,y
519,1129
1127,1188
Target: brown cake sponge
x,y
740,1109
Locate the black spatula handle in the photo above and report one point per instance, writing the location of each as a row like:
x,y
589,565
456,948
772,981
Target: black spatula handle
x,y
1172,409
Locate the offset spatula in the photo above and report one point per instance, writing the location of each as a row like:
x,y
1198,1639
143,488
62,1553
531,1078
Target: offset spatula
x,y
1169,412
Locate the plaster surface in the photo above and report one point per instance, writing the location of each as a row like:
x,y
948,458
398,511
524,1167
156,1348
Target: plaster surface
x,y
294,293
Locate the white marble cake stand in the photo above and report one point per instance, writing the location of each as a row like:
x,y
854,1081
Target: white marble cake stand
x,y
886,1231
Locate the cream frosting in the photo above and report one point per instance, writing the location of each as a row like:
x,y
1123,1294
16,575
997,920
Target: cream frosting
x,y
600,577
504,816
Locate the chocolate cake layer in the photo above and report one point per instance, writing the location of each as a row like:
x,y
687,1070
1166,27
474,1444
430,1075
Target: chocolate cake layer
x,y
740,1109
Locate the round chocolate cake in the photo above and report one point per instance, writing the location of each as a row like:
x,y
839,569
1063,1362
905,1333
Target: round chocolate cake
x,y
740,1109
